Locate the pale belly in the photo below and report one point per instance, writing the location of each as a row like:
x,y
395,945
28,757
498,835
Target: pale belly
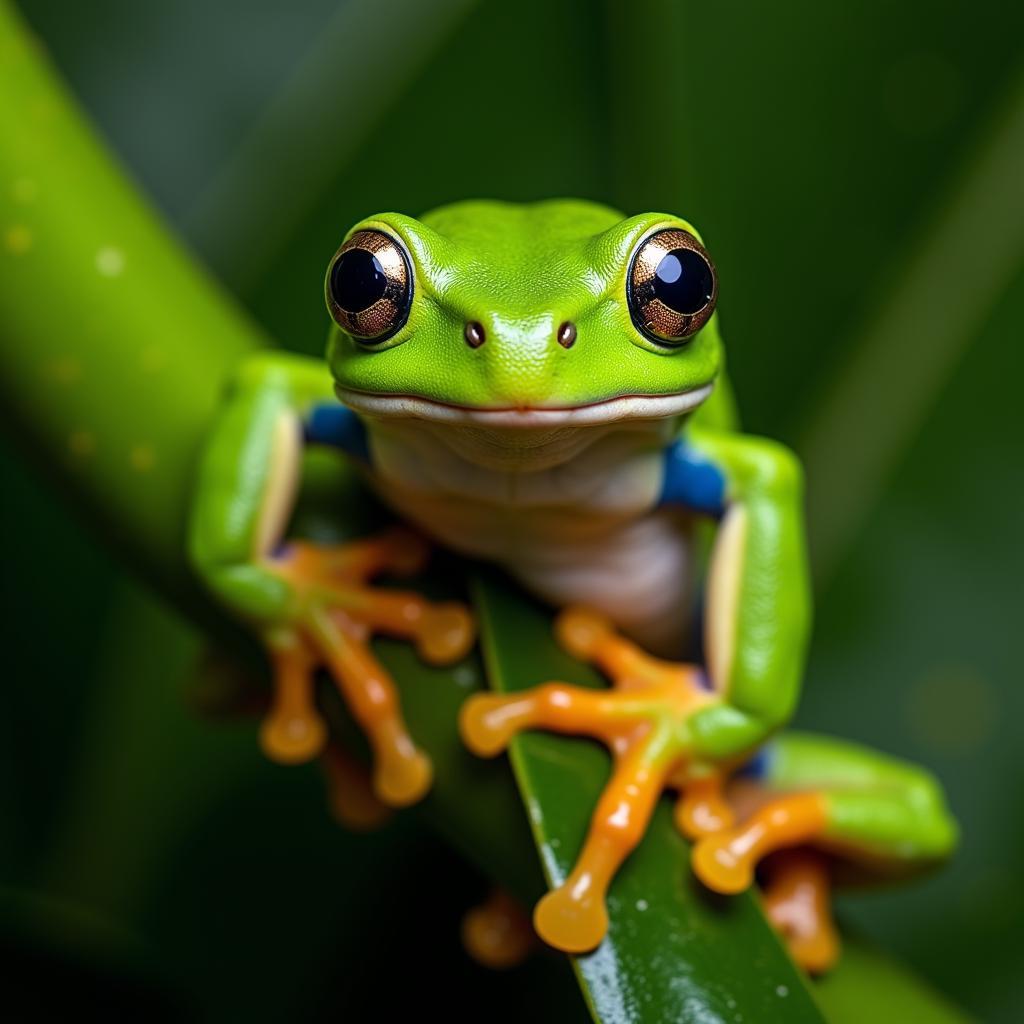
x,y
603,547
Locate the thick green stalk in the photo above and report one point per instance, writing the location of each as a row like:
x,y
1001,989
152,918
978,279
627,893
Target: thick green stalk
x,y
114,345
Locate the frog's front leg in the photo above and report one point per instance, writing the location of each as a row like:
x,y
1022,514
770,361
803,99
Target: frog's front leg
x,y
312,605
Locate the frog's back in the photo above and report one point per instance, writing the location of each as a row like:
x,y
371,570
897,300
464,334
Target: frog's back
x,y
485,222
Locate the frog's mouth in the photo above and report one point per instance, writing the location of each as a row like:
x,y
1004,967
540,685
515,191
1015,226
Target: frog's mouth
x,y
609,410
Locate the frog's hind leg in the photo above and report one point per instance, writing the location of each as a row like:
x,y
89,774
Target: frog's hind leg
x,y
845,810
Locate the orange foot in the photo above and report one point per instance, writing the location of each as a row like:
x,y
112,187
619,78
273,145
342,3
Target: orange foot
x,y
340,612
643,722
797,902
725,861
497,933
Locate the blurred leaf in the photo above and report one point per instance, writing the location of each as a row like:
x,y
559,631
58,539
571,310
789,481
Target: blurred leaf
x,y
937,302
359,67
868,987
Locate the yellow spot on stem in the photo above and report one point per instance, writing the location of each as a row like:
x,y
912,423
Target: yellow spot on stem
x,y
43,109
82,443
24,190
142,457
110,261
18,239
64,370
152,359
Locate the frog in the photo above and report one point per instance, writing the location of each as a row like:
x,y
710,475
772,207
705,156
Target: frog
x,y
542,387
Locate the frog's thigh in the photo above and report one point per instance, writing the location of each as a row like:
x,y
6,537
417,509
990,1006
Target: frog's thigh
x,y
880,811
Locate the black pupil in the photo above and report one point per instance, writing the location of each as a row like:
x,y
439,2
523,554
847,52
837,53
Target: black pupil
x,y
357,280
683,281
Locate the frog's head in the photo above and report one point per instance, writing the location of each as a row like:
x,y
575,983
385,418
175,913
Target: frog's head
x,y
530,318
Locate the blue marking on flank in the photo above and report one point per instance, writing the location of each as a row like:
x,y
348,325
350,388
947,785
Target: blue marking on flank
x,y
334,424
691,480
759,765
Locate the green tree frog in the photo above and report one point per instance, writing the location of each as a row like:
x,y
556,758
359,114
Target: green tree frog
x,y
541,386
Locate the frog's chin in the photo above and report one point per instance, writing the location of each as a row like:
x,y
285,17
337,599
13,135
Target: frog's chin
x,y
623,408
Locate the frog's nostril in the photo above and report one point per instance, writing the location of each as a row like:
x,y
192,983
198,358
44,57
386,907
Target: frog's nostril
x,y
566,336
475,335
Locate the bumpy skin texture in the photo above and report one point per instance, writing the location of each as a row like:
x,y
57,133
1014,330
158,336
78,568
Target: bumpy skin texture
x,y
581,470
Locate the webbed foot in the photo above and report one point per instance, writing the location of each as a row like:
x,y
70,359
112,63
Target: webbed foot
x,y
339,613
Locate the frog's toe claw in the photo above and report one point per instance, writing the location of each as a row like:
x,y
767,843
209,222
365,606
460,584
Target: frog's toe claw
x,y
569,922
445,633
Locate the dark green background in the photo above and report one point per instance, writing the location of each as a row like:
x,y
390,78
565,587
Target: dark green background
x,y
826,151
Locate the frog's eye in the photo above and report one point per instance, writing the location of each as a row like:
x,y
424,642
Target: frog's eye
x,y
672,286
369,286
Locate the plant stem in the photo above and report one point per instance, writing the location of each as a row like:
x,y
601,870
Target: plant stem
x,y
114,345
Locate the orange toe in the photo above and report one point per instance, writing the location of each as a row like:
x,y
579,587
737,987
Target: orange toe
x,y
487,723
581,632
445,633
720,866
402,772
292,738
570,922
702,809
498,933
